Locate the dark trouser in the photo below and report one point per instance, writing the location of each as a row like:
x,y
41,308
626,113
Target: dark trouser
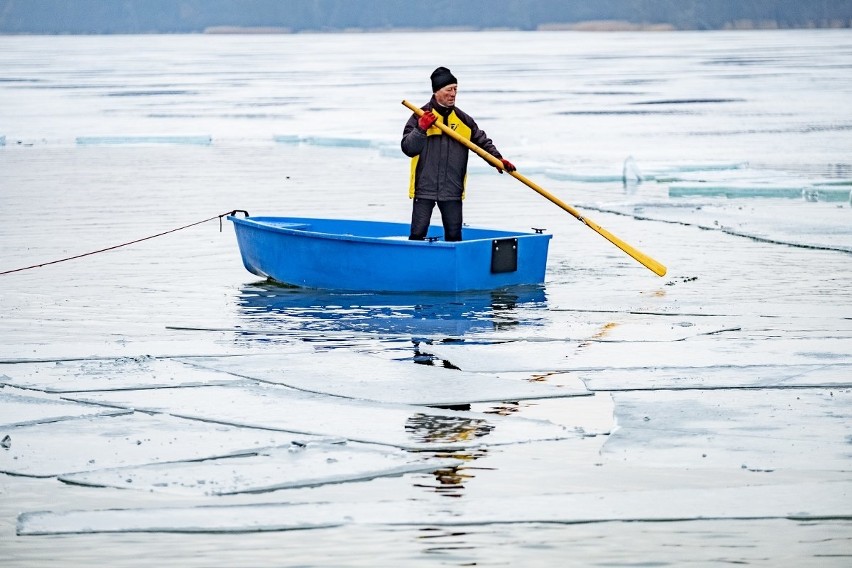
x,y
451,217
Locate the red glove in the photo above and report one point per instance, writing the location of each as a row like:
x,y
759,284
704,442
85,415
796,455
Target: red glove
x,y
507,165
427,120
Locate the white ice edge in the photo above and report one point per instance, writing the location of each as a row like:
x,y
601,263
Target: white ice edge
x,y
24,410
364,377
403,426
805,501
579,355
85,444
307,464
81,376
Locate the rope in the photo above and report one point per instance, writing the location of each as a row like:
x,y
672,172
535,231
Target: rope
x,y
234,212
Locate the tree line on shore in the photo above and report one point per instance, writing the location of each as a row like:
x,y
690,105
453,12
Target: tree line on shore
x,y
282,16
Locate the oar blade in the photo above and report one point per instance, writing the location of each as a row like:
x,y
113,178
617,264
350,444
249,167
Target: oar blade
x,y
656,267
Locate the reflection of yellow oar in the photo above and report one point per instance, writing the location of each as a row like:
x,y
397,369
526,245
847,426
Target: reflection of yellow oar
x,y
638,255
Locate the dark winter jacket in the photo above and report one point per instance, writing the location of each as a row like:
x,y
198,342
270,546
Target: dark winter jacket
x,y
439,163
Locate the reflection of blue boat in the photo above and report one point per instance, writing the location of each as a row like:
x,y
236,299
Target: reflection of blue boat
x,y
377,256
274,308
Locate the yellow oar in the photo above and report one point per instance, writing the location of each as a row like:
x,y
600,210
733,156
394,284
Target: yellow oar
x,y
638,255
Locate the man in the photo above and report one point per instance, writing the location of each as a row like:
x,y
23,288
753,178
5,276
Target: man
x,y
439,163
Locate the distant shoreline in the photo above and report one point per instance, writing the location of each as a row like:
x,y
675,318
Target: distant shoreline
x,y
584,26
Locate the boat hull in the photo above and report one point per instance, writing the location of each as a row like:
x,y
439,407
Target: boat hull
x,y
336,254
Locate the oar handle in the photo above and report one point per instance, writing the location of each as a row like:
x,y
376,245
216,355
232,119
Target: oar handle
x,y
654,266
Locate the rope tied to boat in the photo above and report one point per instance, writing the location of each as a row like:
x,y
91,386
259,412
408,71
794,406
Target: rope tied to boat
x,y
90,253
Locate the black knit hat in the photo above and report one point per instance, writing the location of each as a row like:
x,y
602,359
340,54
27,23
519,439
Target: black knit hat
x,y
441,77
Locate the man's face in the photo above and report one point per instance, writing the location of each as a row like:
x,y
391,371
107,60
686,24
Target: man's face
x,y
447,95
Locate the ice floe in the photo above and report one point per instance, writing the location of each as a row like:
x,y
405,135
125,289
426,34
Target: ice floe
x,y
577,355
808,192
630,171
275,407
84,444
627,329
778,221
325,141
728,377
354,375
269,469
107,374
130,140
21,409
786,428
800,502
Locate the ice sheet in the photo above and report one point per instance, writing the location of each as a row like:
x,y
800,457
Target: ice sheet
x,y
280,408
623,328
107,374
46,450
800,502
325,141
714,352
729,377
20,409
806,192
575,355
53,350
337,142
157,139
270,469
354,375
818,225
792,125
789,429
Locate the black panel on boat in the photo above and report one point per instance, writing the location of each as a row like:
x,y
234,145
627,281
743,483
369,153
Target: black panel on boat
x,y
504,255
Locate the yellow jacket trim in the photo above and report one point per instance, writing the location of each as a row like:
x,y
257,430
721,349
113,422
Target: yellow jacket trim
x,y
454,123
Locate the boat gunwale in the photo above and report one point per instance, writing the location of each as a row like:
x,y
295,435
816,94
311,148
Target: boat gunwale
x,y
258,223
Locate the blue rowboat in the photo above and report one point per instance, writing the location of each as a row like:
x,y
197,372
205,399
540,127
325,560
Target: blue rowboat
x,y
337,254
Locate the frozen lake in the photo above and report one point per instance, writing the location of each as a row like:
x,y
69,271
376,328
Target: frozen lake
x,y
160,405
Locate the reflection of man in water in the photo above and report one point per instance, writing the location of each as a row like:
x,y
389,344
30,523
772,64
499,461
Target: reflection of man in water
x,y
448,429
451,480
